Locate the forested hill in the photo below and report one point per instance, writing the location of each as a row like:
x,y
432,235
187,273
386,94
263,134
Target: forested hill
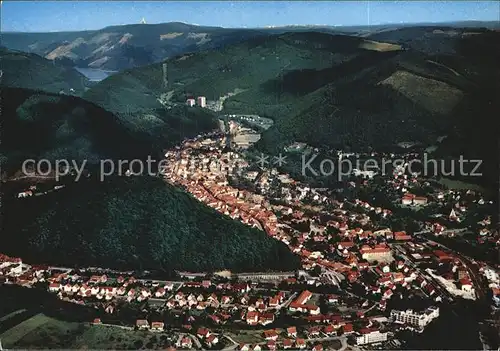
x,y
42,125
136,223
30,71
125,46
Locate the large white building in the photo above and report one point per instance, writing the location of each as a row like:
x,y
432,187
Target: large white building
x,y
369,336
417,319
491,275
202,101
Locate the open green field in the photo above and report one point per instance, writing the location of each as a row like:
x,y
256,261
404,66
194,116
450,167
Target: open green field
x,y
104,337
41,331
14,318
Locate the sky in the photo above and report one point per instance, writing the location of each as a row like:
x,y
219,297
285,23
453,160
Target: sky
x,y
50,16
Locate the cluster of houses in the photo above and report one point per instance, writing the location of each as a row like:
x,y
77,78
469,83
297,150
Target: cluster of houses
x,y
455,204
237,301
103,288
191,167
10,266
352,245
493,278
243,302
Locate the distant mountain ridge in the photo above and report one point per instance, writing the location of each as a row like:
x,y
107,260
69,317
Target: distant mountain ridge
x,y
122,47
127,46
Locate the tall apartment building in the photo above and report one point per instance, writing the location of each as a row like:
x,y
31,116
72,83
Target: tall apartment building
x,y
202,101
369,336
417,319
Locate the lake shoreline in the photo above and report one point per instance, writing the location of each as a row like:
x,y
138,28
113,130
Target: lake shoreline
x,y
95,74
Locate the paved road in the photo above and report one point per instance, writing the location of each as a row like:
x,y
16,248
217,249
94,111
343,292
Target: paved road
x,y
117,326
370,308
475,276
196,341
232,347
446,231
65,269
287,302
32,176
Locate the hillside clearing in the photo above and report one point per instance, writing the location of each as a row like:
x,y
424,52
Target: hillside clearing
x,y
379,46
423,91
170,35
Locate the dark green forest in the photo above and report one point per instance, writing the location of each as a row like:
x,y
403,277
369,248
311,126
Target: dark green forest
x,y
136,223
30,71
40,125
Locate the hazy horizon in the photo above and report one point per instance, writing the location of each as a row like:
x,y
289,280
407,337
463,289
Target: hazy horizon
x,y
52,16
280,26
